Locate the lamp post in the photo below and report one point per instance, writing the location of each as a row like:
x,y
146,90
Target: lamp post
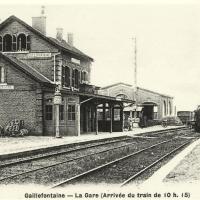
x,y
57,103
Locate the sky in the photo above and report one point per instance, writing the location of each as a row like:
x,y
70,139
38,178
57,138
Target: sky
x,y
168,42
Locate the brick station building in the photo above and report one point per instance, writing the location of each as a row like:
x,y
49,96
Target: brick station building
x,y
45,82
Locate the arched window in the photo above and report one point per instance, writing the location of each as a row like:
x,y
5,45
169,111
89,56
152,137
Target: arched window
x,y
121,96
170,108
164,108
15,43
2,75
1,43
21,42
7,42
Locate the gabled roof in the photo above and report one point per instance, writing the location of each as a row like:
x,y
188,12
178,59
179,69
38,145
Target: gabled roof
x,y
30,71
147,90
64,46
115,84
138,88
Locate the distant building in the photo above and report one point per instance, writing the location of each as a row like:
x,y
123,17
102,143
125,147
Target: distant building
x,y
152,104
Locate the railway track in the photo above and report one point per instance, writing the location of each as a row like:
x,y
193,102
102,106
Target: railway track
x,y
42,169
125,169
20,167
64,150
38,154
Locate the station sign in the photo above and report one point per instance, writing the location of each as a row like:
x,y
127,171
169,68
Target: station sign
x,y
6,87
39,55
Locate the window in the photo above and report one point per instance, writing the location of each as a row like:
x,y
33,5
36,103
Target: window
x,y
7,43
116,114
80,77
73,78
15,43
65,76
48,112
100,113
122,96
164,108
155,112
2,75
107,114
28,42
83,76
1,43
170,108
71,113
76,78
21,42
61,112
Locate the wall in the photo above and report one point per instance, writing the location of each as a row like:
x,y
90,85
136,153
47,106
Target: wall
x,y
144,95
67,128
118,89
38,44
23,102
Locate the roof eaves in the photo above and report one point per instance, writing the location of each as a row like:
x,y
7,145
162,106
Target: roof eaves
x,y
38,77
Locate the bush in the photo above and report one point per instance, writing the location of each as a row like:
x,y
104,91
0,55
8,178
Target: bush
x,y
15,128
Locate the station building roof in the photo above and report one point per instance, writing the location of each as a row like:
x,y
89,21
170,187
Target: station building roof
x,y
63,45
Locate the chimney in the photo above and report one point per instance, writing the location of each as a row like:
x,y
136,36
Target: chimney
x,y
59,34
70,39
39,23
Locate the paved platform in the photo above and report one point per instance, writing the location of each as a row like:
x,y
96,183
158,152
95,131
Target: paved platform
x,y
183,169
13,145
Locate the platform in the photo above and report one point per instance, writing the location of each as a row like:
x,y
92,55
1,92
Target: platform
x,y
14,145
182,170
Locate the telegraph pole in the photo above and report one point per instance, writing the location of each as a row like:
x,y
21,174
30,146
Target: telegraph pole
x,y
135,65
135,77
